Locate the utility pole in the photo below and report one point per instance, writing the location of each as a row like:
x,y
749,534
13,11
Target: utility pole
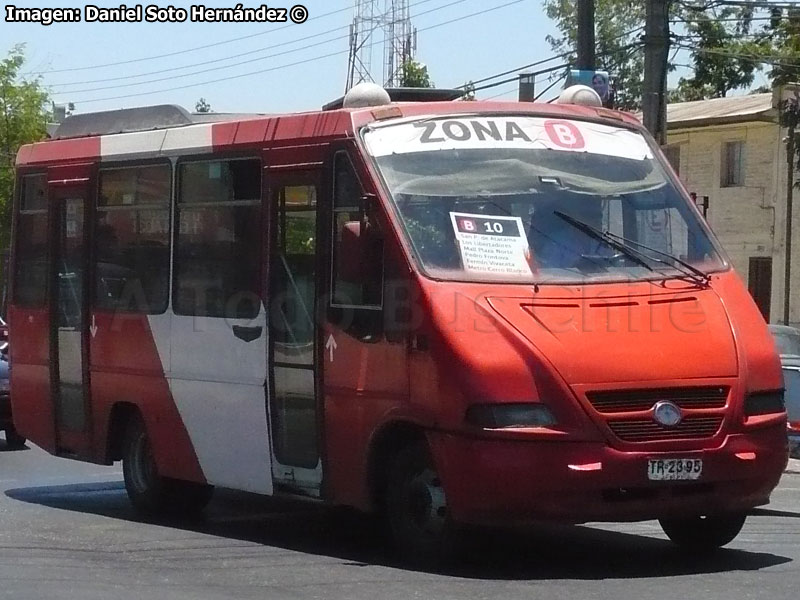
x,y
656,57
790,158
586,45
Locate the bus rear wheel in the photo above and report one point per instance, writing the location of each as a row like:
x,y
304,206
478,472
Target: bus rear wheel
x,y
416,509
149,492
704,533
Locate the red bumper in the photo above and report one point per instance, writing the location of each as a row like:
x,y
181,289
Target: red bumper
x,y
501,481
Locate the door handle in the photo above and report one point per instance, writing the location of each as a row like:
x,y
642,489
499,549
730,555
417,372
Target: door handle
x,y
248,334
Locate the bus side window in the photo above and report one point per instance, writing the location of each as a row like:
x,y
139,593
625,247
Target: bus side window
x,y
357,275
132,242
30,278
219,238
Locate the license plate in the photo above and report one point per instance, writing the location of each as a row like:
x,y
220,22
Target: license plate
x,y
672,469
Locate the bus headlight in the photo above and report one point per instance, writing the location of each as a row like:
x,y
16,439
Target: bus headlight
x,y
764,403
498,416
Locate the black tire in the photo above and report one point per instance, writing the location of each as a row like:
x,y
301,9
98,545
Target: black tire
x,y
14,440
150,493
416,509
704,533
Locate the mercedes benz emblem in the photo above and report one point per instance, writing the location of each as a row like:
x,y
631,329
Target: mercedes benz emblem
x,y
667,414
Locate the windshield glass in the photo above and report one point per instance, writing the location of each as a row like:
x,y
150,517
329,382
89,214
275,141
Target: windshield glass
x,y
485,198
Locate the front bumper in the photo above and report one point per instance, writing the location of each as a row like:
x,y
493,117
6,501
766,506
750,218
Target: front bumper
x,y
505,481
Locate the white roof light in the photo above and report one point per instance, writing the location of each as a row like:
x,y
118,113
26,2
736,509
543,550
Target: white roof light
x,y
366,94
580,94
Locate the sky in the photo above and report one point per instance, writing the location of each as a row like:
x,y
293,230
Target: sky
x,y
267,67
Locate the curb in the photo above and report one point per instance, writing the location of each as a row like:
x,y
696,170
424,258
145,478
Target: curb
x,y
793,466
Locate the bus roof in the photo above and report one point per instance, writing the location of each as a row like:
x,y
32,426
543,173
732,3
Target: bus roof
x,y
172,131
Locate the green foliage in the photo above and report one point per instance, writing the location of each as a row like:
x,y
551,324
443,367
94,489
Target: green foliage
x,y
23,119
725,47
780,41
618,27
415,74
202,106
724,59
469,92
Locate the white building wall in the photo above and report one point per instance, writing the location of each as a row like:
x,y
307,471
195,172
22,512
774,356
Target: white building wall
x,y
745,218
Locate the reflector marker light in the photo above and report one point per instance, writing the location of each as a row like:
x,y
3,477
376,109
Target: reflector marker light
x,y
746,455
598,466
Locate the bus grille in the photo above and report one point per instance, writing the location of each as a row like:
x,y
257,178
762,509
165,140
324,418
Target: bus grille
x,y
622,401
647,430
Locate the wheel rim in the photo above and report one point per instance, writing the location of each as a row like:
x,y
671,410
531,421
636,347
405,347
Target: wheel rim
x,y
425,503
143,466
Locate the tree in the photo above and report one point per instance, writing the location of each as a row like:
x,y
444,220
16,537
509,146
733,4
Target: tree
x,y
415,74
723,57
618,26
780,44
469,92
23,119
202,106
718,36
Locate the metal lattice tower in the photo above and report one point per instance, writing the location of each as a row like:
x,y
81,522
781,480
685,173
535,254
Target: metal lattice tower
x,y
399,43
393,20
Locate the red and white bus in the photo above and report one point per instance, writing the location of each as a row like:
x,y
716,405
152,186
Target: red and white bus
x,y
453,312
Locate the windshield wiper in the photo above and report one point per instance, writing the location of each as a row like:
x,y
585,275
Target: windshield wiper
x,y
624,245
592,232
692,270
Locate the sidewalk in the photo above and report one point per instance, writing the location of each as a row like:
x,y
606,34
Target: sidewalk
x,y
793,466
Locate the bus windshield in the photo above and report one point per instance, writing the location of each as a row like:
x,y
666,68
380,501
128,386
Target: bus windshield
x,y
487,198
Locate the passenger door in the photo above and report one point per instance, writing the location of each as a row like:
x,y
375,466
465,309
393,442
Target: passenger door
x,y
219,323
295,177
69,194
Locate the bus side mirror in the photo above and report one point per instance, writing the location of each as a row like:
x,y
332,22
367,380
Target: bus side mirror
x,y
360,253
350,267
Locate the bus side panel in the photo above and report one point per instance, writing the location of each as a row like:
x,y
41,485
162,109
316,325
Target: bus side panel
x,y
126,367
31,401
367,384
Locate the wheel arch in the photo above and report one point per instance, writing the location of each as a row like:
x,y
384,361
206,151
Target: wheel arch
x,y
118,419
385,444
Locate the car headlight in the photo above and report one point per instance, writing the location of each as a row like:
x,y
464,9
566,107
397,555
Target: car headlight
x,y
499,416
764,403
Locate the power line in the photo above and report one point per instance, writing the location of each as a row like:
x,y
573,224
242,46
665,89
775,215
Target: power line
x,y
231,57
187,50
244,62
549,87
765,59
208,62
523,67
296,63
516,78
556,57
507,91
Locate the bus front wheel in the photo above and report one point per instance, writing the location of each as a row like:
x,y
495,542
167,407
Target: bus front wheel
x,y
416,508
704,533
14,440
149,492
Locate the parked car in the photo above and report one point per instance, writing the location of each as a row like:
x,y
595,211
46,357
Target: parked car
x,y
787,339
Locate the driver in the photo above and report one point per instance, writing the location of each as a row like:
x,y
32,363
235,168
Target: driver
x,y
555,243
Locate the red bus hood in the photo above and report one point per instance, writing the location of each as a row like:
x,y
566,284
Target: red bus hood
x,y
655,336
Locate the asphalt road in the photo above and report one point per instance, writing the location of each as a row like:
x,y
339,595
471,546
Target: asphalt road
x,y
68,532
